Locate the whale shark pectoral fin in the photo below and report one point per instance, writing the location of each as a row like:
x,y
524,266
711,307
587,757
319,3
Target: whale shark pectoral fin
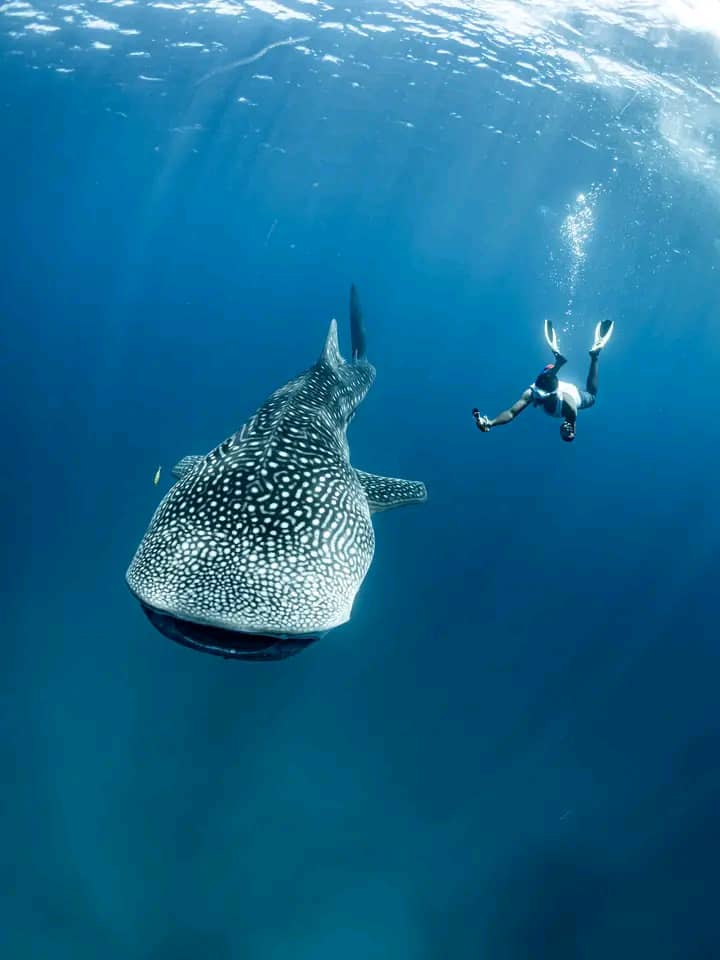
x,y
384,493
331,351
357,329
185,466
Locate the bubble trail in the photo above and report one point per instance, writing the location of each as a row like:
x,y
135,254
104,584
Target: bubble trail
x,y
576,231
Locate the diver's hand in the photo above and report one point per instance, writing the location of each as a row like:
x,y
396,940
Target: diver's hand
x,y
481,422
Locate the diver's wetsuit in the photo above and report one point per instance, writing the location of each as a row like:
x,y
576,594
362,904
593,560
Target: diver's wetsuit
x,y
564,394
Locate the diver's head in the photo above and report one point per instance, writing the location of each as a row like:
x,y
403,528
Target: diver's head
x,y
547,379
567,431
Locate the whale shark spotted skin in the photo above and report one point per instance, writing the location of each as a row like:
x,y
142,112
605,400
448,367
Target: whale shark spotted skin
x,y
261,546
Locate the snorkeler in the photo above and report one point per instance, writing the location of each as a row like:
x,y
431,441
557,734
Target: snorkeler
x,y
556,397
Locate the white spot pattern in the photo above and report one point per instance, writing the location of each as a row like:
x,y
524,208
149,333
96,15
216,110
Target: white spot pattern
x,y
271,531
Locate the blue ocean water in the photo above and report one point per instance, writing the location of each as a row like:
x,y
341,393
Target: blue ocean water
x,y
511,751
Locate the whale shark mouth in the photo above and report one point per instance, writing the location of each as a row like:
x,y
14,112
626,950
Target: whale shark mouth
x,y
231,644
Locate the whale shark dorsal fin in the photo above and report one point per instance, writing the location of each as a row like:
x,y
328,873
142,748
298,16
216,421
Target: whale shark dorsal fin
x,y
331,351
384,493
185,466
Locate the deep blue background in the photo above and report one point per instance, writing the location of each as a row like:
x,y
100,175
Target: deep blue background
x,y
512,749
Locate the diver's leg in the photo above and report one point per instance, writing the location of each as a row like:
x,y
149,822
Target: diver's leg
x,y
592,378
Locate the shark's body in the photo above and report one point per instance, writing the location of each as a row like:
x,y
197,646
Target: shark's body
x,y
261,546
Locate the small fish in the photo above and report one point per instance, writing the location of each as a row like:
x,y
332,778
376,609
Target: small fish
x,y
156,478
271,230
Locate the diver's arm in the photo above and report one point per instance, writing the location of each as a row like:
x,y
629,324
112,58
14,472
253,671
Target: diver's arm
x,y
569,412
507,415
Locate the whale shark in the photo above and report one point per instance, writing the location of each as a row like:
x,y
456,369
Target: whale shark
x,y
260,546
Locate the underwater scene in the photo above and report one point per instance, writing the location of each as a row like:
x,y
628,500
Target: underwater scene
x,y
311,651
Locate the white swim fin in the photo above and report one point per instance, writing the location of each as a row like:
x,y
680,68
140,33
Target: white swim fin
x,y
551,337
603,332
